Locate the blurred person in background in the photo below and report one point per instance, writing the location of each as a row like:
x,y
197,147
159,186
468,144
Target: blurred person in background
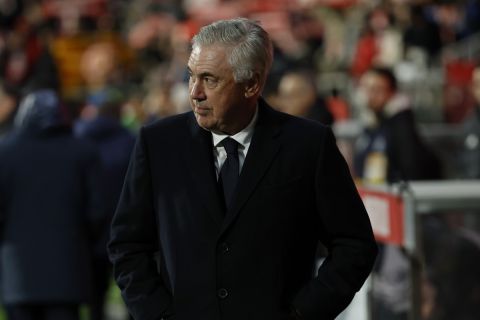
x,y
298,96
151,34
9,13
164,95
380,44
389,150
157,104
81,26
456,20
115,144
199,233
422,33
51,213
101,70
26,61
9,98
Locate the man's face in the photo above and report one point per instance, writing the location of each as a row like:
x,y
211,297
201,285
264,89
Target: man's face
x,y
219,103
296,94
378,91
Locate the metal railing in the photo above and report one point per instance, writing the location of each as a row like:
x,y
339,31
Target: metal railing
x,y
425,197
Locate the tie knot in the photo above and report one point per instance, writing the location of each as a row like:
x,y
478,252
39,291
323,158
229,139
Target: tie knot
x,y
230,145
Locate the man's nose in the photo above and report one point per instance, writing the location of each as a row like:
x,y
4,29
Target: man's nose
x,y
197,92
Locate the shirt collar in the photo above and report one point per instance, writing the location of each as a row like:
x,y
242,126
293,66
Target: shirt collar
x,y
243,137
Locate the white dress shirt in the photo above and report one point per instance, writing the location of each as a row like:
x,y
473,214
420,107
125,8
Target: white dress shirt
x,y
243,138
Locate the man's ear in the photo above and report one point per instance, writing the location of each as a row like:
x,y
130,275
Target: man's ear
x,y
253,86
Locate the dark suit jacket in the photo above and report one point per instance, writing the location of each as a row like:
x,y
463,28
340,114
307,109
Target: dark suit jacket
x,y
257,261
409,158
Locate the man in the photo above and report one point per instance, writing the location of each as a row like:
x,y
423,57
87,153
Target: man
x,y
298,96
188,242
390,149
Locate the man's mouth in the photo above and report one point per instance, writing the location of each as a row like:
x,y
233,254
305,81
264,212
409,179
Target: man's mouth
x,y
201,110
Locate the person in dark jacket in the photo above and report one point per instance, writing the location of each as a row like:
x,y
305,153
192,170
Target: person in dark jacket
x,y
115,144
223,206
51,213
389,150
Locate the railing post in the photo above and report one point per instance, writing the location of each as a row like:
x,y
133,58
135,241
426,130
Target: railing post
x,y
412,246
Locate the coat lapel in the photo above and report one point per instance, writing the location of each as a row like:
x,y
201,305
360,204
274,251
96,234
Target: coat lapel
x,y
199,159
264,146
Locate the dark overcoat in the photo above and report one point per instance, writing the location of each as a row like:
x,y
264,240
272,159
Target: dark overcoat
x,y
178,255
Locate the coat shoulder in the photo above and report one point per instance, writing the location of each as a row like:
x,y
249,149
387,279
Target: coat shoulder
x,y
169,126
301,128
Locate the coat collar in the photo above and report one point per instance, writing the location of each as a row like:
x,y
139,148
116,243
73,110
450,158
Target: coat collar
x,y
264,146
199,158
263,149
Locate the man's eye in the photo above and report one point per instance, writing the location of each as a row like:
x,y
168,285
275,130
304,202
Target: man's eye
x,y
210,81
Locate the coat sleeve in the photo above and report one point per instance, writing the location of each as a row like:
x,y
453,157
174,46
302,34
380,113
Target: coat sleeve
x,y
346,232
134,242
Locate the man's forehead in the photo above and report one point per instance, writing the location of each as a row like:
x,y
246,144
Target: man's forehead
x,y
377,81
211,57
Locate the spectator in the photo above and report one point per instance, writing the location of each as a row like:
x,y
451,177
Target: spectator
x,y
390,150
25,59
298,96
455,19
380,45
101,72
51,212
422,33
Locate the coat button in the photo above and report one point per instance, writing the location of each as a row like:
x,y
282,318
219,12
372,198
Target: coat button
x,y
222,293
224,247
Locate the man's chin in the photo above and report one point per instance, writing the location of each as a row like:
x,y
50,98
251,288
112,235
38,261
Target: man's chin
x,y
204,123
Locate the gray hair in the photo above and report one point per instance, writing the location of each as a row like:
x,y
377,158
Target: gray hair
x,y
250,47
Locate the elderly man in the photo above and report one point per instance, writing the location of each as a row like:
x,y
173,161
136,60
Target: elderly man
x,y
223,207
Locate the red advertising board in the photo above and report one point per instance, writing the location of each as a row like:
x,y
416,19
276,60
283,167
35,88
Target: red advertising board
x,y
386,215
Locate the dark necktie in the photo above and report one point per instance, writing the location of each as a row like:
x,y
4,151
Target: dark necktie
x,y
230,170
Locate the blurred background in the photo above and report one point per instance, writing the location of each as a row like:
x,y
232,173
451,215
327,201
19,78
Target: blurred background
x,y
398,80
